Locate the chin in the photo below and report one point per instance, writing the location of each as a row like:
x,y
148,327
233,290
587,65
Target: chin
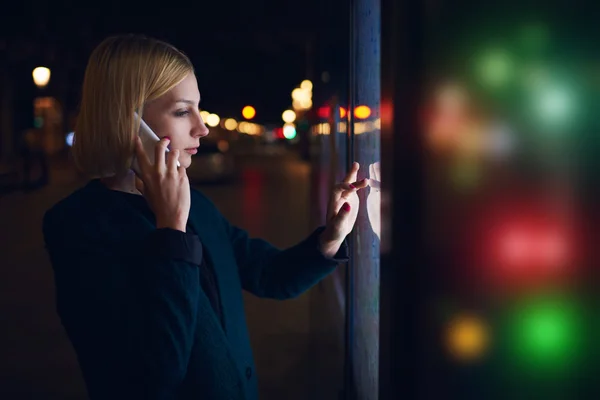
x,y
185,162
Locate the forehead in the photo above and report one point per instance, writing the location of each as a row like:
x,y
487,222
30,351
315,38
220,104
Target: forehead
x,y
187,89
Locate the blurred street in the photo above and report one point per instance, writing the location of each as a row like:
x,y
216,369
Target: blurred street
x,y
269,199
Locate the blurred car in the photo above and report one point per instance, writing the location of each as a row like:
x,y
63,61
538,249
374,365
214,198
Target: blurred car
x,y
214,162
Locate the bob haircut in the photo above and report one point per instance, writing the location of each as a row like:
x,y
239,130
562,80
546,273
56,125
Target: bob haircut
x,y
123,73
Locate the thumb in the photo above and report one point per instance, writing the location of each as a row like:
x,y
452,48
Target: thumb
x,y
342,213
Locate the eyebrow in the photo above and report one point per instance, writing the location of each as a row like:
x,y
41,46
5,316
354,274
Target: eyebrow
x,y
190,102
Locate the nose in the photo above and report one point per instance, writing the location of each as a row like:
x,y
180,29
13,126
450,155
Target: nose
x,y
200,129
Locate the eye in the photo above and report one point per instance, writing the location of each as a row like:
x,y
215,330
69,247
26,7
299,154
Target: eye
x,y
181,113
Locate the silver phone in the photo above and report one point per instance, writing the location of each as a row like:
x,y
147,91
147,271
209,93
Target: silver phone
x,y
149,140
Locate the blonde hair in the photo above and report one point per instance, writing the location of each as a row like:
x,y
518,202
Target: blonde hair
x,y
123,73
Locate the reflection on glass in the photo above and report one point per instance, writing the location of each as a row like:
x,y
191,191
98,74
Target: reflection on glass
x,y
374,198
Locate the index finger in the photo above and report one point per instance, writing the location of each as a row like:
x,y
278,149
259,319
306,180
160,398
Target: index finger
x,y
160,151
352,175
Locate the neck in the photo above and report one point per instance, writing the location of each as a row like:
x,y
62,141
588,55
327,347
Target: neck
x,y
123,183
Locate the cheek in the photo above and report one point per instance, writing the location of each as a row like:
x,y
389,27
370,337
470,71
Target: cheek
x,y
175,133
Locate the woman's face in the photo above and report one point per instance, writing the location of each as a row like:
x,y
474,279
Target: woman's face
x,y
176,114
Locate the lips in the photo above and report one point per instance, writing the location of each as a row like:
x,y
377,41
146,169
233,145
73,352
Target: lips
x,y
191,150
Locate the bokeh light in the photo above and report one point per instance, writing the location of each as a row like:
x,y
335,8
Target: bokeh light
x,y
554,105
41,76
467,337
248,112
289,131
230,124
212,120
288,116
362,112
306,85
495,68
546,333
204,115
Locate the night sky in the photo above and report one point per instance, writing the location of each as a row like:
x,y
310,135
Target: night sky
x,y
244,52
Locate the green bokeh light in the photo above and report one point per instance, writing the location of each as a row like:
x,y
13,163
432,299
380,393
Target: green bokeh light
x,y
555,105
547,334
38,122
495,68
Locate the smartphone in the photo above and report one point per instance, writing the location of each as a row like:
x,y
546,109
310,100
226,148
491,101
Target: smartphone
x,y
149,140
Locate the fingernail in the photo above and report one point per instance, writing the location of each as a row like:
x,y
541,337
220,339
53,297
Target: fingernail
x,y
346,207
166,137
352,186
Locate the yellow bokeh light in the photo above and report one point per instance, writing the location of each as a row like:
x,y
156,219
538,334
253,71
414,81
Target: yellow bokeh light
x,y
212,120
41,76
242,127
467,337
288,116
230,124
306,85
204,115
298,94
248,112
306,104
362,112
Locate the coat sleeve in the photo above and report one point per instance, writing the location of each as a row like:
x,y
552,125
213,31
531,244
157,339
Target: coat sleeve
x,y
130,313
267,271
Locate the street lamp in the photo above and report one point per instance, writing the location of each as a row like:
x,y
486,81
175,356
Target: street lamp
x,y
41,76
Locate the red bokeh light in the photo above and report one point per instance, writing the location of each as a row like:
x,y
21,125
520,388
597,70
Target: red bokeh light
x,y
324,112
521,244
544,246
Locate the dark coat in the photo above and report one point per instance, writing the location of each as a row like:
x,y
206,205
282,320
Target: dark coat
x,y
129,296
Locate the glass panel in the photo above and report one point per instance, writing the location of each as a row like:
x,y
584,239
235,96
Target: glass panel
x,y
366,144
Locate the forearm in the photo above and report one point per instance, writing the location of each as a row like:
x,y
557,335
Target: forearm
x,y
290,272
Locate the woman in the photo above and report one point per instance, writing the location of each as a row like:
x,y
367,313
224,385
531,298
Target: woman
x,y
149,275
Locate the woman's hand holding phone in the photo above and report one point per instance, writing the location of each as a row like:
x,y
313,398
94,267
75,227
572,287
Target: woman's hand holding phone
x,y
166,187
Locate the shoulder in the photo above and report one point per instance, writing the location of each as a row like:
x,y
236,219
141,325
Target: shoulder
x,y
74,213
67,208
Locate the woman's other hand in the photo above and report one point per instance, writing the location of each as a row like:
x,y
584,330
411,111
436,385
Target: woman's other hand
x,y
342,211
165,187
374,198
